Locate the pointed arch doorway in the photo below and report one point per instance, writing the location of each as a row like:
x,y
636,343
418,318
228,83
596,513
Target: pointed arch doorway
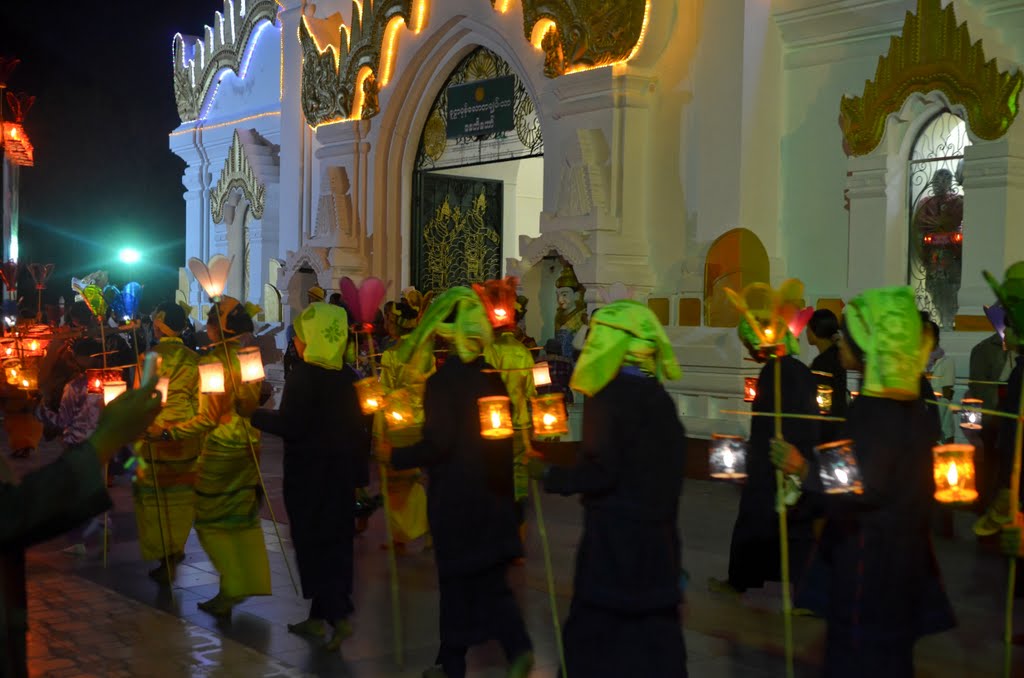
x,y
478,178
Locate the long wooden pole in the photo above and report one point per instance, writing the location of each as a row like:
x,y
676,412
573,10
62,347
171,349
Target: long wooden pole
x,y
549,573
1011,582
106,467
787,602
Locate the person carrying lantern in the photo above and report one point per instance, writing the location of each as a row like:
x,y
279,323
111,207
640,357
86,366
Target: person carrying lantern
x,y
624,617
885,589
323,430
165,477
470,497
406,496
754,556
514,363
228,495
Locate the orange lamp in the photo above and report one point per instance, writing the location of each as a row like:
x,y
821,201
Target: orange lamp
x,y
727,457
749,389
370,394
211,377
163,385
495,417
251,362
954,473
549,415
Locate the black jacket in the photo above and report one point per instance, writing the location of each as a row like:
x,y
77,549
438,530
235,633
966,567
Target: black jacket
x,y
470,499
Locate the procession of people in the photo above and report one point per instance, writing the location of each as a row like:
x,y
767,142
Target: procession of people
x,y
457,480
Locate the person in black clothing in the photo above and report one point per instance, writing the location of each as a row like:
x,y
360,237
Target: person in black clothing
x,y
885,589
754,556
324,433
624,618
470,501
823,333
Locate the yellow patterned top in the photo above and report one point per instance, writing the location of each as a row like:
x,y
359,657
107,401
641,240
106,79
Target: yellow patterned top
x,y
516,364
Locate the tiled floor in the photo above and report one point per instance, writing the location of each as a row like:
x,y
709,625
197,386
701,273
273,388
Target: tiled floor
x,y
88,619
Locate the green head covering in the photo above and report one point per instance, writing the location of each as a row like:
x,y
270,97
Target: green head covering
x,y
323,328
1011,296
458,316
624,332
886,324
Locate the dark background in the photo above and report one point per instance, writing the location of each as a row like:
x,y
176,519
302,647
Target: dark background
x,y
104,177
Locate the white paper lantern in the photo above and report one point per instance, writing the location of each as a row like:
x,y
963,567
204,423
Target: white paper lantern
x,y
211,377
112,389
252,364
541,374
162,385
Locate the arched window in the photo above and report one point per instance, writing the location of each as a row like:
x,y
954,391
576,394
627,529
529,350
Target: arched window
x,y
936,216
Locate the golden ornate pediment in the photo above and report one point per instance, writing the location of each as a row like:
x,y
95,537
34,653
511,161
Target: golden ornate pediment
x,y
343,66
933,52
581,34
238,174
197,61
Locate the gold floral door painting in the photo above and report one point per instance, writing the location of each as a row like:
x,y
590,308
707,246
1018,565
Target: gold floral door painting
x,y
457,229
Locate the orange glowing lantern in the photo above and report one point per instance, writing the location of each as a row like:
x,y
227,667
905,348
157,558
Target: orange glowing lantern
x,y
371,395
970,414
495,417
401,410
163,384
727,457
97,377
112,389
28,380
824,398
749,389
541,374
838,468
8,348
211,377
12,371
251,363
34,346
954,473
549,416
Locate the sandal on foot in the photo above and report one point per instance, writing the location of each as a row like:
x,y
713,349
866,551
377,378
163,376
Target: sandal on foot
x,y
311,628
342,630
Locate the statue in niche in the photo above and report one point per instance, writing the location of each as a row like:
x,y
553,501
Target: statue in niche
x,y
371,101
570,315
938,239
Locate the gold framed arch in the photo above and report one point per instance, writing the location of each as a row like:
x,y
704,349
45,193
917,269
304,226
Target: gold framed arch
x,y
933,52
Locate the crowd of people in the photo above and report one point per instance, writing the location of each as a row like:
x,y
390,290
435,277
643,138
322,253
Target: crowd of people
x,y
863,561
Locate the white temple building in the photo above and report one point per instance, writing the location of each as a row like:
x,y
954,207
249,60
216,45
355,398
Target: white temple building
x,y
665,149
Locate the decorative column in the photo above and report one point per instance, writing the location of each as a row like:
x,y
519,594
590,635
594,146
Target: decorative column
x,y
876,251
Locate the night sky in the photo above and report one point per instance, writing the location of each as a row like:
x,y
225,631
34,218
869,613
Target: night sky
x,y
103,177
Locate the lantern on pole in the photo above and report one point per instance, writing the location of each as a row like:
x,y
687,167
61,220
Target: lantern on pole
x,y
727,457
251,362
970,414
163,384
749,389
370,394
541,374
954,473
549,415
824,398
495,417
112,389
838,469
211,377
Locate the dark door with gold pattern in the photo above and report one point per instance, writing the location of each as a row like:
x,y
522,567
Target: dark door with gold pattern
x,y
456,231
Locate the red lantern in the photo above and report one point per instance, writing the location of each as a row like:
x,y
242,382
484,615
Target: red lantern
x,y
749,389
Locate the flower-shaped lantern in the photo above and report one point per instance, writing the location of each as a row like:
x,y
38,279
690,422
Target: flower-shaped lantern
x,y
131,298
212,276
772,318
40,273
363,300
499,298
9,275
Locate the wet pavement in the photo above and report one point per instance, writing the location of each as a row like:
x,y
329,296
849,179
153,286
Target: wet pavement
x,y
91,620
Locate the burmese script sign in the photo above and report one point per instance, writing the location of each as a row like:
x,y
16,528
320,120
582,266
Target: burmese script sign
x,y
481,107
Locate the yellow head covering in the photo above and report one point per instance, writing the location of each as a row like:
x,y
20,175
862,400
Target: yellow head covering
x,y
623,333
886,325
323,328
457,315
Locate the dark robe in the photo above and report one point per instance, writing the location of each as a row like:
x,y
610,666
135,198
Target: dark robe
x,y
827,363
754,552
325,433
47,502
1007,431
885,589
471,509
624,618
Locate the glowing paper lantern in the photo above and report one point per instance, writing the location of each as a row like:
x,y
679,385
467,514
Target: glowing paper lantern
x,y
749,389
12,371
370,394
727,457
162,385
8,348
970,414
252,364
541,374
854,394
495,417
954,473
34,346
400,412
211,377
97,377
28,380
824,398
838,469
112,389
549,416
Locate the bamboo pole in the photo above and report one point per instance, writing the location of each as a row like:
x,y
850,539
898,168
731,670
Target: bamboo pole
x,y
106,467
787,602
